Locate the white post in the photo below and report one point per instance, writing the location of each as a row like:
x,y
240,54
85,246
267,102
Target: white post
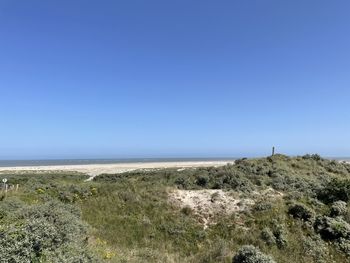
x,y
5,185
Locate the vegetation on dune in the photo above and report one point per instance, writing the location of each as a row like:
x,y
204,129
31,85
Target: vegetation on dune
x,y
36,227
250,254
128,217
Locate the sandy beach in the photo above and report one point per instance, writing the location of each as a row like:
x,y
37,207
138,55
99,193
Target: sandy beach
x,y
96,169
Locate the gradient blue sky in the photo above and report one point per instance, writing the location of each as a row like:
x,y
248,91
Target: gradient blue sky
x,y
97,79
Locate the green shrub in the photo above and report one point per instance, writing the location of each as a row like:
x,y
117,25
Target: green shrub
x,y
186,210
268,236
202,180
263,206
343,245
238,182
338,208
251,254
314,157
39,232
335,190
9,205
73,193
346,216
182,182
332,228
316,248
301,211
279,232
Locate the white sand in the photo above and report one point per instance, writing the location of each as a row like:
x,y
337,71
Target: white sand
x,y
96,169
208,205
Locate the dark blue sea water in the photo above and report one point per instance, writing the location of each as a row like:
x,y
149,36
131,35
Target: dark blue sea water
x,y
10,163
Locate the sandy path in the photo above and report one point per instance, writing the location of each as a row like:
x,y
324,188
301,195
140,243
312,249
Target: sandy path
x,y
96,169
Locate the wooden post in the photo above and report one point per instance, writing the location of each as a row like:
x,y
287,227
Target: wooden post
x,y
273,150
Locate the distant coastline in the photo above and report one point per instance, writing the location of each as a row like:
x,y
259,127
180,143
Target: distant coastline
x,y
59,162
92,169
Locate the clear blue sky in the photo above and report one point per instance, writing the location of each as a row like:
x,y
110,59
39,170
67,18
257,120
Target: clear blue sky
x,y
96,79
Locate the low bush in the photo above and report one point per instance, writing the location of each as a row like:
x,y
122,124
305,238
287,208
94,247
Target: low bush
x,y
301,211
314,157
335,190
251,254
187,210
280,234
268,237
343,245
202,180
338,208
332,228
316,248
182,182
40,233
264,205
276,235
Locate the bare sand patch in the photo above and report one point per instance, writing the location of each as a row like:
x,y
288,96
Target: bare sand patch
x,y
209,204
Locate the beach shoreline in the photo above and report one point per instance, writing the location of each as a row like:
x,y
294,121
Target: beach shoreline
x,y
97,169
